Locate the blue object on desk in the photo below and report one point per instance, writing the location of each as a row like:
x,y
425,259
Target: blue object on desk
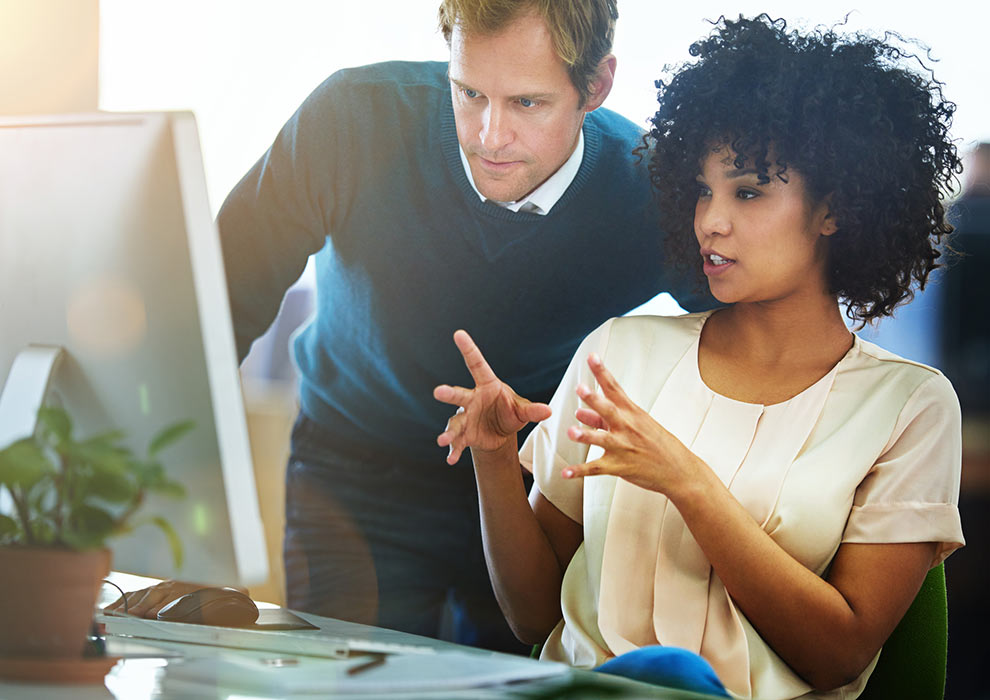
x,y
671,667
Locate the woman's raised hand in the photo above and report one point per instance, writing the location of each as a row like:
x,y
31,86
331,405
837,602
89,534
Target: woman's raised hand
x,y
637,448
490,414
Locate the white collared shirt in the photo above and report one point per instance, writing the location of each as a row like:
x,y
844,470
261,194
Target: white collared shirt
x,y
541,200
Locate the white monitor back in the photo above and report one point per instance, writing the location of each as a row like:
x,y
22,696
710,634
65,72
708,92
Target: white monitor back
x,y
108,249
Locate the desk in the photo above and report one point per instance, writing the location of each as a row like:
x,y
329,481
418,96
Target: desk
x,y
151,670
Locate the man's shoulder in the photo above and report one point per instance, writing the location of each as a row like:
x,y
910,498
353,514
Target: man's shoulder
x,y
613,126
377,91
391,75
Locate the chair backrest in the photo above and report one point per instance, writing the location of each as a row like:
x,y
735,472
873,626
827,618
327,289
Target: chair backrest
x,y
912,663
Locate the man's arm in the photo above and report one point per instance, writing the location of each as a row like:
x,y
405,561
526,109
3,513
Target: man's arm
x,y
279,214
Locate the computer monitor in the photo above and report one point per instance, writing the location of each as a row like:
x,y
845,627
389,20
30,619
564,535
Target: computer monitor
x,y
108,250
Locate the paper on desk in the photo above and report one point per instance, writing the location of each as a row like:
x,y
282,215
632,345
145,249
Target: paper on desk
x,y
399,674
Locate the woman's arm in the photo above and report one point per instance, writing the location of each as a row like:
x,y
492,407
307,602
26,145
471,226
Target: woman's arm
x,y
827,630
527,543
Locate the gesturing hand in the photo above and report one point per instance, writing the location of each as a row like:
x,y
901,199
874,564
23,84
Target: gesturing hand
x,y
637,448
489,414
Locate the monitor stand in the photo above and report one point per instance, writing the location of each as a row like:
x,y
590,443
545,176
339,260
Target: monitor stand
x,y
23,394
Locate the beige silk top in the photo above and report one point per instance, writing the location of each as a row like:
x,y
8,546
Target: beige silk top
x,y
869,453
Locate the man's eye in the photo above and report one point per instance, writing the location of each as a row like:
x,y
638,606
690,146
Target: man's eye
x,y
526,102
469,93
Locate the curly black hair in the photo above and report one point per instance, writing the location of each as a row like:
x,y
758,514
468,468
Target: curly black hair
x,y
845,113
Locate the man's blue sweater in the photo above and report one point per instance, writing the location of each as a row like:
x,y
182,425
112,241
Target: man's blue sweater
x,y
367,175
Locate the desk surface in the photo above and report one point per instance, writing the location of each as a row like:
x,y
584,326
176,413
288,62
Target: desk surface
x,y
151,670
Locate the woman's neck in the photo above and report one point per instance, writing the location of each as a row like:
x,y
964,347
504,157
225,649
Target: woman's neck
x,y
768,352
776,332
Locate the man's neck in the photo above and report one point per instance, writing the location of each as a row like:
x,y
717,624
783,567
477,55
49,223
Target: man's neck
x,y
548,193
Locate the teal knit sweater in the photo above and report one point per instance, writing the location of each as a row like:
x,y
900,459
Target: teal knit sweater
x,y
367,176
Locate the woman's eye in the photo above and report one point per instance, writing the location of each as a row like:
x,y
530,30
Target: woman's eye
x,y
747,194
703,191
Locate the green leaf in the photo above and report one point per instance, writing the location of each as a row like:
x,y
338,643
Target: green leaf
x,y
169,435
8,527
111,485
174,543
147,474
23,464
57,421
97,454
170,489
108,438
88,526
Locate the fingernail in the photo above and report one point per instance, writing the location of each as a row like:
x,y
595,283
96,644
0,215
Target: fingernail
x,y
582,390
594,360
567,473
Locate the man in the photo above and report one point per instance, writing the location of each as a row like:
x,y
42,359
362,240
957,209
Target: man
x,y
490,194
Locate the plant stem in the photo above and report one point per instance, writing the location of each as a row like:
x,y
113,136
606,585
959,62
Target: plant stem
x,y
20,503
135,504
60,482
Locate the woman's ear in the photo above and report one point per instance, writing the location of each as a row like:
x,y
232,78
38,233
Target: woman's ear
x,y
827,225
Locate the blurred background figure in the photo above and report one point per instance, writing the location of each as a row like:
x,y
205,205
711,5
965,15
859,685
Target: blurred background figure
x,y
965,359
965,339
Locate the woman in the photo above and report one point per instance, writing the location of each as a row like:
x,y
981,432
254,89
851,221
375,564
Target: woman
x,y
767,489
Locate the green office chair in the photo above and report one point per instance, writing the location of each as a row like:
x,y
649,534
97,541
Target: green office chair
x,y
912,663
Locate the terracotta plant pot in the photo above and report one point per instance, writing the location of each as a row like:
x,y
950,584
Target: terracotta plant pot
x,y
47,598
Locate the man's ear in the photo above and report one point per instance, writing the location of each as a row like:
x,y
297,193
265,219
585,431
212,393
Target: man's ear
x,y
601,85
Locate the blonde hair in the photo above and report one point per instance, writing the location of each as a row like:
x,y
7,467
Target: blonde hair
x,y
581,30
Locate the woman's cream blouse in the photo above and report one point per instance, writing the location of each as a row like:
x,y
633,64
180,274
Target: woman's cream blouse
x,y
869,453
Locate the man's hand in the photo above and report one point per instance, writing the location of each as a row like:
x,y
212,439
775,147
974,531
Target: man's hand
x,y
490,414
146,602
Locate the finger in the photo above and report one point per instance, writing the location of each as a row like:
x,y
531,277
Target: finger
x,y
609,385
598,403
454,455
452,430
475,361
590,418
579,471
533,412
146,603
602,438
455,395
138,602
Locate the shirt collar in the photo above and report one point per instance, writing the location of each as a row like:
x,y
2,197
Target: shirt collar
x,y
543,198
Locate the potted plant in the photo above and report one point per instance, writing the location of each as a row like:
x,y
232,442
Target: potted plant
x,y
69,495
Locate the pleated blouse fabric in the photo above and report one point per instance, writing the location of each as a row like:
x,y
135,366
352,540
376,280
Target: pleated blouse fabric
x,y
869,453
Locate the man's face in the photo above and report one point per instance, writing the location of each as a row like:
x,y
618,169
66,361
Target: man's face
x,y
516,110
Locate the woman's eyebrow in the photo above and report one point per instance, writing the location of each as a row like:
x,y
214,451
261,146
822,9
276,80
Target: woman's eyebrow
x,y
741,172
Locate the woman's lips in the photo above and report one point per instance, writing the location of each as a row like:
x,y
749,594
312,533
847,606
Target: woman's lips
x,y
715,264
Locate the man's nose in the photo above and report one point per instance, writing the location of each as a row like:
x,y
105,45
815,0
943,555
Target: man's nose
x,y
496,128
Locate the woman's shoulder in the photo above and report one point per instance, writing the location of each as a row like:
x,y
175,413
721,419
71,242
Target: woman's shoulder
x,y
667,330
914,382
638,346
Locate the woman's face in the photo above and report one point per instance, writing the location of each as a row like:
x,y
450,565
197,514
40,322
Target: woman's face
x,y
759,242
